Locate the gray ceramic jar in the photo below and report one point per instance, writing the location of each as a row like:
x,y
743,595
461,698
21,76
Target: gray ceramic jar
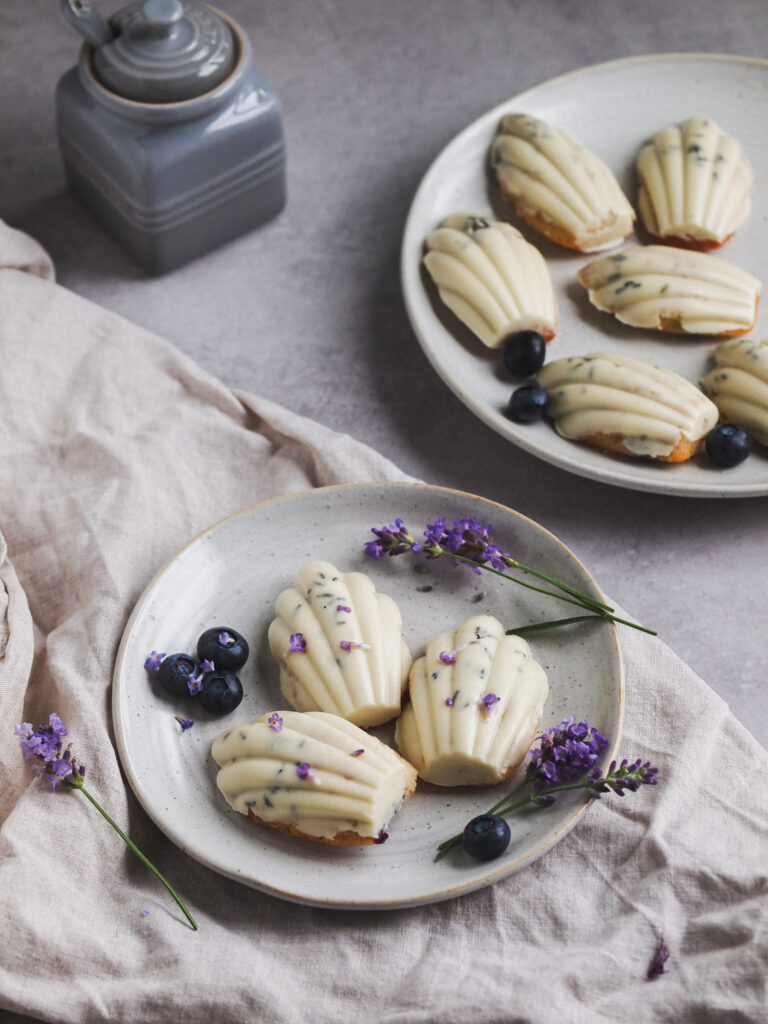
x,y
169,135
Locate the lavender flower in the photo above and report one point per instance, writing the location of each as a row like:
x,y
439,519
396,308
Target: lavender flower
x,y
153,662
449,657
43,746
625,777
298,644
392,540
349,645
226,639
470,542
207,666
565,752
275,722
185,723
657,964
358,752
343,608
488,701
195,683
304,771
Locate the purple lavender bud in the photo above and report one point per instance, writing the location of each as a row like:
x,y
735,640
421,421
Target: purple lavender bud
x,y
657,964
275,722
226,639
488,701
343,608
207,666
185,723
195,683
298,644
447,657
391,540
358,752
304,771
154,661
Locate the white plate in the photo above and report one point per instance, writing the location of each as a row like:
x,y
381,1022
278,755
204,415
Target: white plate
x,y
611,108
230,575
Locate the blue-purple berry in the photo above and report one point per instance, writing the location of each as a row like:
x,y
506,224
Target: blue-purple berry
x,y
524,353
175,673
222,692
527,404
486,837
727,445
225,647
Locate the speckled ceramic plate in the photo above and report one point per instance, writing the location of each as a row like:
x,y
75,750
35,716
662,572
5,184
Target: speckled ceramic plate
x,y
231,575
611,108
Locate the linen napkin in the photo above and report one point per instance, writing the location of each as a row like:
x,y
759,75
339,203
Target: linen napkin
x,y
115,449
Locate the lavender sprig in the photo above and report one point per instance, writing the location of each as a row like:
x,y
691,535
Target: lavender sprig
x,y
470,542
566,759
44,746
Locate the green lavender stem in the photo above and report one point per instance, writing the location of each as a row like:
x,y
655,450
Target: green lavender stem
x,y
553,623
77,783
503,811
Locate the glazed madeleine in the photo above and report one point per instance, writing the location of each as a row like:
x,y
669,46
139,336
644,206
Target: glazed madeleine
x,y
339,645
476,697
495,281
626,405
558,186
694,184
738,385
663,288
313,775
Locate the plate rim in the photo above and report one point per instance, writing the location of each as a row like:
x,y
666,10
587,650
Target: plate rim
x,y
615,474
449,891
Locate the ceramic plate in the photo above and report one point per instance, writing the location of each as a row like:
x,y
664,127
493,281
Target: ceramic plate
x,y
231,574
611,108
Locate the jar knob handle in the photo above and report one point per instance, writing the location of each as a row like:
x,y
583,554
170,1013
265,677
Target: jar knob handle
x,y
162,15
88,22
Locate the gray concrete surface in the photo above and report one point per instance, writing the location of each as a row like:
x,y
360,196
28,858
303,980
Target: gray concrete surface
x,y
308,310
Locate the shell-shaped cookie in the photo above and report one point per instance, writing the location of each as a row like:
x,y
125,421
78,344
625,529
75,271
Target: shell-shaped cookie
x,y
495,281
312,774
694,184
559,187
627,405
339,645
476,699
738,385
663,288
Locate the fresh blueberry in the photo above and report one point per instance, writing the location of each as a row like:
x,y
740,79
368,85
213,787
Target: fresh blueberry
x,y
221,693
224,647
175,672
728,445
486,837
525,353
527,403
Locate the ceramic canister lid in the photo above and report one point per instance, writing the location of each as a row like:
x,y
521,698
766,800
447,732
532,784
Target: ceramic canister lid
x,y
165,51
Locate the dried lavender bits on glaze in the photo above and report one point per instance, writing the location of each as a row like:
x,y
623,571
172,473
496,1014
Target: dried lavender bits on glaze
x,y
339,645
738,385
476,697
491,278
694,184
558,187
312,775
627,406
663,288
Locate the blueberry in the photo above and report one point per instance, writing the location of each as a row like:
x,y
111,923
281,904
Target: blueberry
x,y
527,403
224,647
175,672
525,353
486,837
221,693
728,445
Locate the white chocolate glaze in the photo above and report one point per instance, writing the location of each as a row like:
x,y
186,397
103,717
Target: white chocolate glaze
x,y
495,281
453,731
355,663
694,183
313,773
660,287
558,186
738,385
610,395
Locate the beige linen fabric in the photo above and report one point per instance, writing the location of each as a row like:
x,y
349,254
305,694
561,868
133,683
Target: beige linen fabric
x,y
114,449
